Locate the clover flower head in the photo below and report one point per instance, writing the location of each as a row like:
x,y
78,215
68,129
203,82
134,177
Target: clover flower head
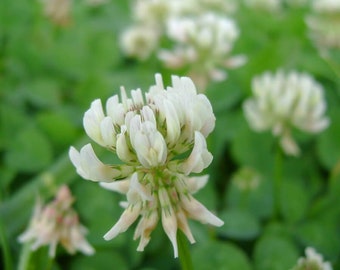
x,y
57,222
161,139
202,44
282,101
313,260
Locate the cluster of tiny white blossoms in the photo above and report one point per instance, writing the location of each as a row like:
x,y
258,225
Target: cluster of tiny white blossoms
x,y
200,30
324,23
282,101
160,138
202,45
312,261
57,222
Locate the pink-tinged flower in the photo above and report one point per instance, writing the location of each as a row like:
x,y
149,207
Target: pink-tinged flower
x,y
56,223
161,138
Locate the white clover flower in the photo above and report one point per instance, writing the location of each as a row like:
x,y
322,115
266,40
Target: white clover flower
x,y
160,136
203,45
57,223
139,41
324,23
313,260
282,101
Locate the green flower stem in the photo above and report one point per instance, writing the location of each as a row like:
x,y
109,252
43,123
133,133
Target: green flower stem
x,y
34,260
184,252
277,183
5,249
25,257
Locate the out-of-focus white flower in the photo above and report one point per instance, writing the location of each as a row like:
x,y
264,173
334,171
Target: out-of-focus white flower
x,y
57,223
326,6
161,138
58,11
203,45
139,41
211,34
270,5
324,23
313,260
282,101
246,179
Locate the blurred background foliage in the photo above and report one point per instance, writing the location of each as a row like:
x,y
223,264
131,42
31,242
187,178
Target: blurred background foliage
x,y
49,75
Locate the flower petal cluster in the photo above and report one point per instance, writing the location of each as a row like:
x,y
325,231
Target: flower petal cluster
x,y
282,101
56,223
202,44
160,138
313,260
203,22
324,23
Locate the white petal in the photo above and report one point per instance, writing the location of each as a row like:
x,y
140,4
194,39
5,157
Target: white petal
x,y
197,211
137,188
121,186
169,223
91,168
169,220
200,157
85,247
183,225
194,184
148,143
92,119
126,219
172,122
146,225
137,97
122,149
115,110
183,84
148,115
108,132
